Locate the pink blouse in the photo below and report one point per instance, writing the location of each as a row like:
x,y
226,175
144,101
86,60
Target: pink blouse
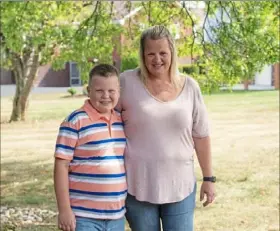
x,y
160,147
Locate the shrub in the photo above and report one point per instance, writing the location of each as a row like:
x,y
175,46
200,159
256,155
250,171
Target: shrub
x,y
190,69
129,62
72,91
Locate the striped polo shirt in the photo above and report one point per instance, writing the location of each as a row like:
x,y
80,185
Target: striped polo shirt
x,y
95,147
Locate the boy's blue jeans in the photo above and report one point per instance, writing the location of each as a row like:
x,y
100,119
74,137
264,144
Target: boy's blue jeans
x,y
144,216
90,224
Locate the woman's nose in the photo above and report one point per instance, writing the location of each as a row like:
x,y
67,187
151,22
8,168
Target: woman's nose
x,y
156,58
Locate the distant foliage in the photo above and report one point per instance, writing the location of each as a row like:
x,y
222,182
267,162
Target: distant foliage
x,y
72,91
129,61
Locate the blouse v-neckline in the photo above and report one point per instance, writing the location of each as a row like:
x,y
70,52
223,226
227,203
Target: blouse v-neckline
x,y
157,99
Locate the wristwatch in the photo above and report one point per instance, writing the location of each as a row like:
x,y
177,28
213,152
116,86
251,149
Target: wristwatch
x,y
211,179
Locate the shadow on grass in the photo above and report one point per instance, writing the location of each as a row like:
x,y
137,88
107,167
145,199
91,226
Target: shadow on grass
x,y
27,184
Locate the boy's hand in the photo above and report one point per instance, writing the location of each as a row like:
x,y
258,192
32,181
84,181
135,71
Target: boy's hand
x,y
67,221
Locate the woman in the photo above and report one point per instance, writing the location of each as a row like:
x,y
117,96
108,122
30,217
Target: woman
x,y
165,120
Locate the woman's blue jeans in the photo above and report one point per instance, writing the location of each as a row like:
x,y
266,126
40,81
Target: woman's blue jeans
x,y
144,216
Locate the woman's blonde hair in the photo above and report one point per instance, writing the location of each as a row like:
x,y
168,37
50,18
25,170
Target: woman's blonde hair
x,y
154,33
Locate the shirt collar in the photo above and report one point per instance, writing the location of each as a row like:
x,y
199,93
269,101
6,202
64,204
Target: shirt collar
x,y
93,114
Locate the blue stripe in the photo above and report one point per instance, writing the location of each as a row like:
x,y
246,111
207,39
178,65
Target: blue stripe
x,y
98,193
99,158
97,175
98,210
74,114
64,146
93,126
107,141
68,129
118,123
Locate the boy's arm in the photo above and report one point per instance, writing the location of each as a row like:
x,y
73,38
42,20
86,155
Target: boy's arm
x,y
61,184
66,218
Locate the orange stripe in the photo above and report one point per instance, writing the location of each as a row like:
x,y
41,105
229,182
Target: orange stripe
x,y
98,169
118,134
92,187
66,141
64,157
105,205
93,137
100,152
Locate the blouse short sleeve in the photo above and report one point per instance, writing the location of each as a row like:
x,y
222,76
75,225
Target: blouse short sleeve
x,y
200,127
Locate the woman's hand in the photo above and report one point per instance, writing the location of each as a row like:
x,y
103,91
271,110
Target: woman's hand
x,y
207,188
67,221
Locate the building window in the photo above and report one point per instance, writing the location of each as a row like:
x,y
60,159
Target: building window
x,y
75,77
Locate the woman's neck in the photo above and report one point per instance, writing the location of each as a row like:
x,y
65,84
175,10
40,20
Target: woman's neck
x,y
160,78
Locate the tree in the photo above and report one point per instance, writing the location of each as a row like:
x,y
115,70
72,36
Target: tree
x,y
151,13
34,33
243,39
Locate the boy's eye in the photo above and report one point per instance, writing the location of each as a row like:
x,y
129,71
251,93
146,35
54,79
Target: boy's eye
x,y
112,91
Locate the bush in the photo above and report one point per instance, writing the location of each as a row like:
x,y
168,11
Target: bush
x,y
72,91
190,69
129,62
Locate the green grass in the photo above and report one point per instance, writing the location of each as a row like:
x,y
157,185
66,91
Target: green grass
x,y
245,146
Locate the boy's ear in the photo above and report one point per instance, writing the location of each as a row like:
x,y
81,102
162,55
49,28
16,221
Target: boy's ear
x,y
88,90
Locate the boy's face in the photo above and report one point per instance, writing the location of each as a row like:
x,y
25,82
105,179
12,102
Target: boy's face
x,y
104,93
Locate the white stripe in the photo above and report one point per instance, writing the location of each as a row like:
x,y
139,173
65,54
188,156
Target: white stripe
x,y
93,198
68,135
91,131
99,163
99,216
79,117
97,181
101,146
64,151
117,128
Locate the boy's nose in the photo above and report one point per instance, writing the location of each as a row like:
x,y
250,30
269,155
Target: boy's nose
x,y
105,94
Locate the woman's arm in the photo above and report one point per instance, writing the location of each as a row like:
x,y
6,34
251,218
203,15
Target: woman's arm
x,y
203,152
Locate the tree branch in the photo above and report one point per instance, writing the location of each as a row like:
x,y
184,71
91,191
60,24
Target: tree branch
x,y
85,22
193,31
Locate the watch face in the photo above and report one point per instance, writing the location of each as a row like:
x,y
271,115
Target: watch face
x,y
211,179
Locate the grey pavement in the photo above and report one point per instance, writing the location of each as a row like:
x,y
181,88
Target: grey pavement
x,y
9,90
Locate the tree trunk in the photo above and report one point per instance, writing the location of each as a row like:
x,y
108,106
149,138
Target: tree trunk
x,y
16,105
25,70
246,84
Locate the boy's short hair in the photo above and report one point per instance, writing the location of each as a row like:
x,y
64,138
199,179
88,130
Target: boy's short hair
x,y
104,70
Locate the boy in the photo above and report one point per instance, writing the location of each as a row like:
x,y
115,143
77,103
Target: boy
x,y
89,173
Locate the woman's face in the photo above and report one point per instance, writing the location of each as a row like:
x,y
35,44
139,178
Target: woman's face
x,y
157,56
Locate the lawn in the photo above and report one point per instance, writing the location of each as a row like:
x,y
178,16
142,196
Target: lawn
x,y
245,145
